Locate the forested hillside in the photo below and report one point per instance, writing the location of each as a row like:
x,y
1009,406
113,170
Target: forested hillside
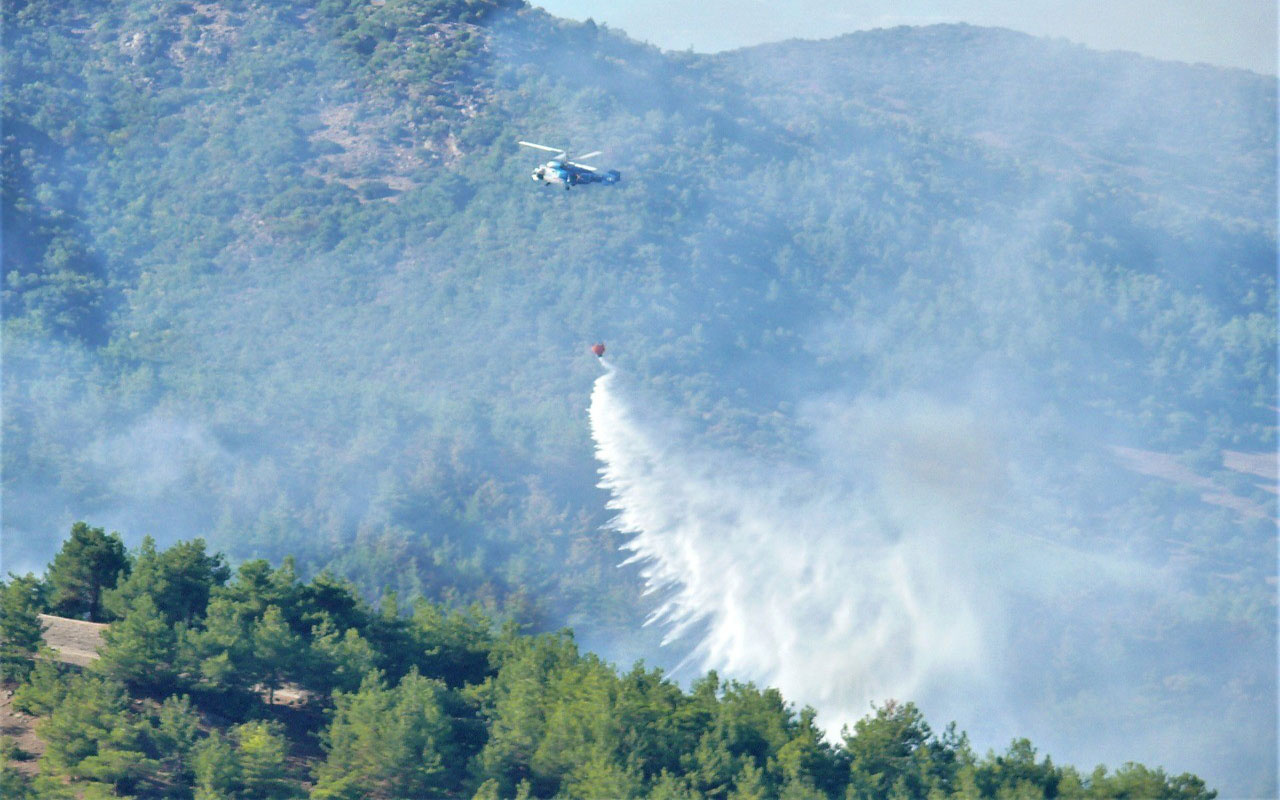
x,y
275,275
185,700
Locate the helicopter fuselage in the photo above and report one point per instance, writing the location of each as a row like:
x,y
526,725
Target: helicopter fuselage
x,y
567,174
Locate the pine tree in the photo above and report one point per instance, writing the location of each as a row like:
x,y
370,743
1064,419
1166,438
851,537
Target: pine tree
x,y
140,649
89,563
749,784
93,735
14,785
178,580
260,751
176,731
217,769
603,776
220,652
44,690
517,703
20,629
455,645
277,651
338,661
672,787
807,764
895,750
390,743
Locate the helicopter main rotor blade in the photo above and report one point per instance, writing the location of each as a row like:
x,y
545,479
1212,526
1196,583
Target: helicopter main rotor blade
x,y
587,167
543,147
585,156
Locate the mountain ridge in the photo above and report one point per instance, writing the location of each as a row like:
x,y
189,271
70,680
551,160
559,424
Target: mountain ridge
x,y
277,276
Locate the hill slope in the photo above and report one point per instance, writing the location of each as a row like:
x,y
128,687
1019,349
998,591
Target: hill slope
x,y
275,275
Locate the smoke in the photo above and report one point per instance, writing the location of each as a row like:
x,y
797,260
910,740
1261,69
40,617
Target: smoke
x,y
957,277
801,580
901,555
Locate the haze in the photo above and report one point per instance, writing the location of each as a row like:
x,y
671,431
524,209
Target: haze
x,y
976,330
1230,34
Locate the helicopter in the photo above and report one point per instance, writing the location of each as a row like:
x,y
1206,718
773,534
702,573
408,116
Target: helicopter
x,y
571,173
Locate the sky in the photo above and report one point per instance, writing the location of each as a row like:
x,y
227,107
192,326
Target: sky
x,y
1230,33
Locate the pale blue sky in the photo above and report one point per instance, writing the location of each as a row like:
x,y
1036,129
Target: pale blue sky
x,y
1234,33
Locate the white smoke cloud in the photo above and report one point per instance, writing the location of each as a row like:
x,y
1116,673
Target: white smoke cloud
x,y
157,455
882,566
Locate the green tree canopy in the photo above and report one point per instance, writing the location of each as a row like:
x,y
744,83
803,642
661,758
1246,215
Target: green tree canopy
x,y
93,735
895,750
541,719
20,629
217,770
141,649
178,580
278,651
89,563
261,750
391,743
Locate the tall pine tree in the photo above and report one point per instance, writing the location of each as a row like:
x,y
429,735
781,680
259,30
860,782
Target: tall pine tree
x,y
89,563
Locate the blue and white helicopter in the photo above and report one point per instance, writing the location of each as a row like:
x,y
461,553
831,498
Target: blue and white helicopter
x,y
571,173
